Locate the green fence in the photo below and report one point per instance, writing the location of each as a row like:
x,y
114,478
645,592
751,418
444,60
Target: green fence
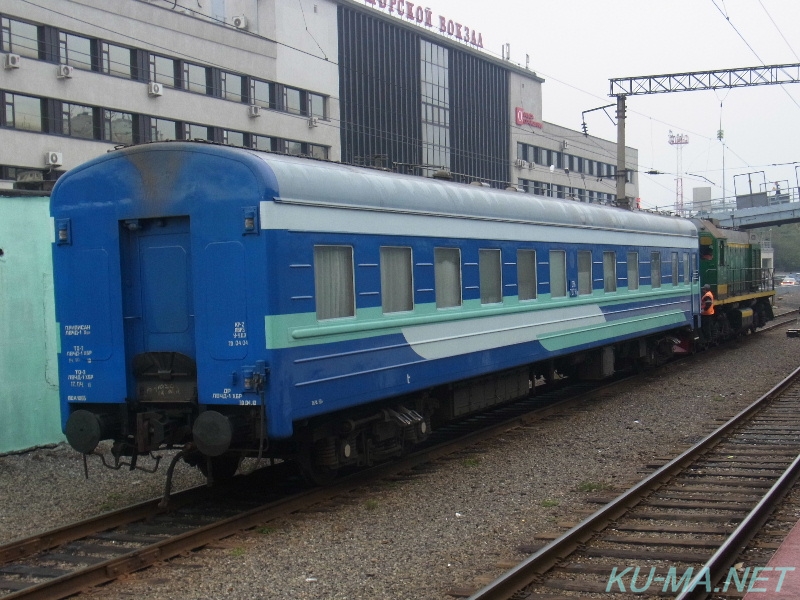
x,y
29,411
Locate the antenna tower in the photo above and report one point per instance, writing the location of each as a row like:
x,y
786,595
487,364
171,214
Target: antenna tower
x,y
678,140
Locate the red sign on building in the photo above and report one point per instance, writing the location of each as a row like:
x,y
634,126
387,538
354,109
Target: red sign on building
x,y
526,118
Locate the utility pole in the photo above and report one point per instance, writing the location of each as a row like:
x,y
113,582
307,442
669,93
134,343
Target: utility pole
x,y
622,200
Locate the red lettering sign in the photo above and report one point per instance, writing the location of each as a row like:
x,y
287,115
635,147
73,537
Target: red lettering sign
x,y
526,118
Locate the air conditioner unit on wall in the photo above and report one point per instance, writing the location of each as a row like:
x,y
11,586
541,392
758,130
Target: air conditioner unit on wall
x,y
155,89
240,22
313,122
254,110
64,71
53,159
520,163
12,61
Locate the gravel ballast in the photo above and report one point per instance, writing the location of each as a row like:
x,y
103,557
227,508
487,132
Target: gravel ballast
x,y
447,527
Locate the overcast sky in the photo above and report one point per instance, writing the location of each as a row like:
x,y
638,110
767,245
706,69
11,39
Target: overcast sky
x,y
578,45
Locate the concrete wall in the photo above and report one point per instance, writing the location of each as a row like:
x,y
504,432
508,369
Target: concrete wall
x,y
29,407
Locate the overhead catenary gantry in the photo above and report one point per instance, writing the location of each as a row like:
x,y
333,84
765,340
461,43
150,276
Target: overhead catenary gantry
x,y
687,82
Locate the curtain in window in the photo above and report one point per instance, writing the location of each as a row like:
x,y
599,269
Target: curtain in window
x,y
655,270
633,270
489,266
584,273
396,280
558,274
526,274
333,282
448,277
610,271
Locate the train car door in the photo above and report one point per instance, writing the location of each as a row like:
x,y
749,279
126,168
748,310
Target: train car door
x,y
159,320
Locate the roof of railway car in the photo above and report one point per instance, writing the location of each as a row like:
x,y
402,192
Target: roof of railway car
x,y
315,182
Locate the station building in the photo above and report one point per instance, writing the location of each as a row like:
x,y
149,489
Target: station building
x,y
383,83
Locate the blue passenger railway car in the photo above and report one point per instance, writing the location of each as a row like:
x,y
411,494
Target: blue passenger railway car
x,y
236,303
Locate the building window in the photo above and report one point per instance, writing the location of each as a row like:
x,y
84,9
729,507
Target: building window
x,y
77,121
292,147
584,273
610,271
334,282
633,271
192,131
232,86
490,269
397,285
75,50
117,127
320,152
655,269
195,78
22,112
262,142
558,273
19,38
292,101
233,138
447,271
526,274
435,107
262,93
316,105
115,60
162,70
162,129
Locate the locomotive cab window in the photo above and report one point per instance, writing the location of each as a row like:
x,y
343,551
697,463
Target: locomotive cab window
x,y
633,271
526,274
610,271
584,273
334,282
490,270
447,274
397,285
655,269
558,273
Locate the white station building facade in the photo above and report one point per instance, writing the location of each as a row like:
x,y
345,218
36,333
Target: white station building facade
x,y
382,83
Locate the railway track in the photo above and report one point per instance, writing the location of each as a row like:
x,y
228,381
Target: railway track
x,y
679,531
64,561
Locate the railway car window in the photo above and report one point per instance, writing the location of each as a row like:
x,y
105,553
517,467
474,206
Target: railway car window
x,y
610,271
490,269
75,50
397,285
117,127
633,270
20,38
584,273
655,269
162,70
115,60
687,273
77,120
558,273
22,112
447,272
334,282
674,268
526,274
